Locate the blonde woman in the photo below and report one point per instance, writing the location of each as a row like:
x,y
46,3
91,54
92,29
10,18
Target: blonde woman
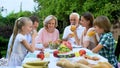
x,y
48,33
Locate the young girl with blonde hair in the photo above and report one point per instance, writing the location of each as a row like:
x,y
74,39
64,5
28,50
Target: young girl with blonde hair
x,y
20,46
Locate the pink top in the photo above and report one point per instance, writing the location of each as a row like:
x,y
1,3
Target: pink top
x,y
45,37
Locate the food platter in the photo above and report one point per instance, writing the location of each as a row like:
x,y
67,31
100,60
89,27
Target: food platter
x,y
66,55
53,60
101,59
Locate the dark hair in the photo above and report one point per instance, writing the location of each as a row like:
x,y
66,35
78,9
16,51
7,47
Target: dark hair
x,y
34,18
103,22
89,17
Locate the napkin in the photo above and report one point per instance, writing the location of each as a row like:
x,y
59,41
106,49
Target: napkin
x,y
36,64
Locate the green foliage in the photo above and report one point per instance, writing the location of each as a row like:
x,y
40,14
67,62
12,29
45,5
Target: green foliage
x,y
6,27
101,7
25,13
10,19
3,43
7,23
3,53
2,39
62,9
3,47
6,31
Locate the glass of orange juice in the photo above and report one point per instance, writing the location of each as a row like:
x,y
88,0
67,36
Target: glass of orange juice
x,y
73,28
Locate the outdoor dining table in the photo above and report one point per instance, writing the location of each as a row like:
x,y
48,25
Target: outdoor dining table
x,y
53,60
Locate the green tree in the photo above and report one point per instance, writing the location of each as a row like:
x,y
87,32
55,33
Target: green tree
x,y
7,23
103,7
62,9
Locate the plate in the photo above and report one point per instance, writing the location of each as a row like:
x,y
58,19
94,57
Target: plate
x,y
76,46
66,55
101,59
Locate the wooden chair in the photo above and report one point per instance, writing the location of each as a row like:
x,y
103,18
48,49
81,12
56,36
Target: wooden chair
x,y
117,50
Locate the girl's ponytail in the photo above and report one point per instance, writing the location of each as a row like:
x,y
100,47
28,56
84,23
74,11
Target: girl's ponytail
x,y
15,31
17,27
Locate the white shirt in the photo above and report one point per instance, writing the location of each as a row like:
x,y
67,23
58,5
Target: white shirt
x,y
18,52
85,38
67,31
28,38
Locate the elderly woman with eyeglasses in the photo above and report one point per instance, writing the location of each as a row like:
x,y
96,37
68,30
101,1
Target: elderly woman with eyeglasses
x,y
48,33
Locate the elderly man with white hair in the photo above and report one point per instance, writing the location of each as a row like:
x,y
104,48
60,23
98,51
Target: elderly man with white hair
x,y
73,32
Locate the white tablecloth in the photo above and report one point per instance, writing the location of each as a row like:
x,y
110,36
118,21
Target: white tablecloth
x,y
53,60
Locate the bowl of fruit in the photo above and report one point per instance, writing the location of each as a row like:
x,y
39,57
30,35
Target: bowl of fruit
x,y
55,44
64,50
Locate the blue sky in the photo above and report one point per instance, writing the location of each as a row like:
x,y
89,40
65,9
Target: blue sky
x,y
14,5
